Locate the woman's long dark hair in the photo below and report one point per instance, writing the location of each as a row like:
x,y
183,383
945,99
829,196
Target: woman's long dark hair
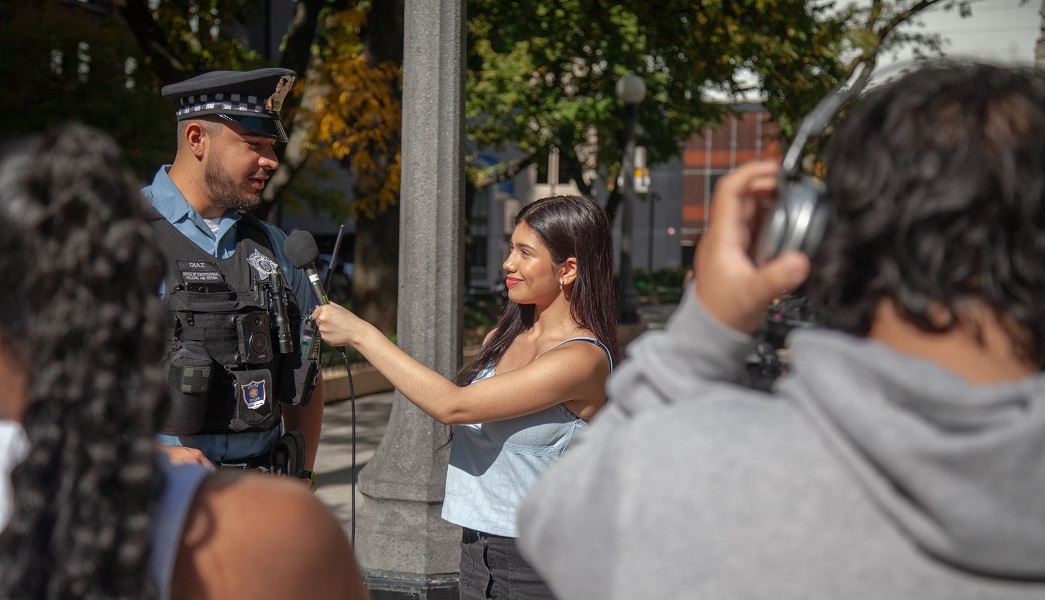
x,y
79,307
569,226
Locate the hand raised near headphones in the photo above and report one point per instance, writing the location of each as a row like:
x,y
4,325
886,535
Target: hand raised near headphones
x,y
731,287
801,211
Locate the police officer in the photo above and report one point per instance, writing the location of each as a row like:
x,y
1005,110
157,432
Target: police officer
x,y
240,388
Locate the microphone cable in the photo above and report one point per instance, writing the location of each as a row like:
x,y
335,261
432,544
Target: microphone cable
x,y
300,247
351,384
352,404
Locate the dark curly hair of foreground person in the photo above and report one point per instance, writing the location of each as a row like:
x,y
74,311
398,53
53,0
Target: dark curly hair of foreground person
x,y
79,274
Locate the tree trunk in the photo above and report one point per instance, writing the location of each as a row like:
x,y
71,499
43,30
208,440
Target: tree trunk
x,y
297,53
375,280
375,283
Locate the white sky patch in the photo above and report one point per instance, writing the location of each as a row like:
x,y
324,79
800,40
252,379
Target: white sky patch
x,y
1000,31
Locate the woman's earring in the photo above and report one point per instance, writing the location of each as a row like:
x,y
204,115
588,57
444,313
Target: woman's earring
x,y
561,282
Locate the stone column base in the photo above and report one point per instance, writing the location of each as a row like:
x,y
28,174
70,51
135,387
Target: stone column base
x,y
403,586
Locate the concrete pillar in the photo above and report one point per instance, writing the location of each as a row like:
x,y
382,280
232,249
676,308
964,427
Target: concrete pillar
x,y
405,548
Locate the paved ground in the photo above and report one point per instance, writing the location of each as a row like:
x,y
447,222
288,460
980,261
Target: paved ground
x,y
334,459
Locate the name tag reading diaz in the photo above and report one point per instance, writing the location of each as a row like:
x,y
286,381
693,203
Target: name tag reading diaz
x,y
201,276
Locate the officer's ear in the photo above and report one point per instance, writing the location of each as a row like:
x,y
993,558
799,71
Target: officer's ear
x,y
194,136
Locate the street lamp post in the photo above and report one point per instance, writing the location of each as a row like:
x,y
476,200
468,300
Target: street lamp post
x,y
651,199
631,90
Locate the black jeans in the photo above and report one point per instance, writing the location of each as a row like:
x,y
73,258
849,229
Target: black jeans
x,y
493,569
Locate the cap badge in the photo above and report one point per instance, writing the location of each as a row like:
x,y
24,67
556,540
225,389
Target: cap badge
x,y
275,101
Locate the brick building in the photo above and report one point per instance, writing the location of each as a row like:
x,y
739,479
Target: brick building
x,y
746,135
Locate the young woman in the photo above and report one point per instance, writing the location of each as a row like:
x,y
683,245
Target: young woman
x,y
96,511
538,378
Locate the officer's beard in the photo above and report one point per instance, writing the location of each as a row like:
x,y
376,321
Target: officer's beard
x,y
225,191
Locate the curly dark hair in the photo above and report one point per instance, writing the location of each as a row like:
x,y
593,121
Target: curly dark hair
x,y
569,226
79,279
938,186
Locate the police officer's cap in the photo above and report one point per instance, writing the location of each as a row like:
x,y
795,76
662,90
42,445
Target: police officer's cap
x,y
251,98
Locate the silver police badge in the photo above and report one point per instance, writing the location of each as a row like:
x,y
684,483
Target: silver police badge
x,y
264,265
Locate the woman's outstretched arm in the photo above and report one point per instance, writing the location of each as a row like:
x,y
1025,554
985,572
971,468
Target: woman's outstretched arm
x,y
570,373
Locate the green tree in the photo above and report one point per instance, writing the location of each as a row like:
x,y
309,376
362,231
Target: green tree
x,y
354,116
541,73
65,62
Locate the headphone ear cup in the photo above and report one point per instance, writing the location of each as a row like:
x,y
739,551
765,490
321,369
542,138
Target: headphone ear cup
x,y
818,222
797,221
772,231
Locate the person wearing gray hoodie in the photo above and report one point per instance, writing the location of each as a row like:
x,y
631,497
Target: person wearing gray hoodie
x,y
903,456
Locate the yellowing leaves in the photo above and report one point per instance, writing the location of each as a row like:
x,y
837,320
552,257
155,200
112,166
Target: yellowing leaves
x,y
356,118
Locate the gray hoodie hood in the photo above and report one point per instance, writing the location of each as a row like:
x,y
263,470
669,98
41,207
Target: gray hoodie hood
x,y
960,468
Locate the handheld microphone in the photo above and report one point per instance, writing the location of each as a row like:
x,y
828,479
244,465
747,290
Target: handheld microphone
x,y
303,253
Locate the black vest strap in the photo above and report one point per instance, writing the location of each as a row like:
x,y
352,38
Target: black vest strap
x,y
250,228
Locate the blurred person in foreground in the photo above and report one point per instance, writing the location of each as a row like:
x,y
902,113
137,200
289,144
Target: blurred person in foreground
x,y
904,456
97,511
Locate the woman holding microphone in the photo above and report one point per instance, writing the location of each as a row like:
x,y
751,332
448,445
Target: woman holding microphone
x,y
538,378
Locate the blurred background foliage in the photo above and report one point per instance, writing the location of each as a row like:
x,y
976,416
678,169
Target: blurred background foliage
x,y
540,74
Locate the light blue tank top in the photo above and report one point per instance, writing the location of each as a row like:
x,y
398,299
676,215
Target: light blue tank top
x,y
493,465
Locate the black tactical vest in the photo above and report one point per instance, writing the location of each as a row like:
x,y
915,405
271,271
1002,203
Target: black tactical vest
x,y
234,351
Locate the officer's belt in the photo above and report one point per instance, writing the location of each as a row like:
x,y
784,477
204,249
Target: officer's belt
x,y
286,457
261,463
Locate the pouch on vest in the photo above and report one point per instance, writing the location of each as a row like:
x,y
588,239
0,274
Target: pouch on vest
x,y
254,407
301,369
189,376
305,378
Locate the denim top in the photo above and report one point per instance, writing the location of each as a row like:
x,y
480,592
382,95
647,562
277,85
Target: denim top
x,y
493,465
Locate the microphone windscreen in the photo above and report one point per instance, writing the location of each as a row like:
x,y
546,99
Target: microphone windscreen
x,y
301,249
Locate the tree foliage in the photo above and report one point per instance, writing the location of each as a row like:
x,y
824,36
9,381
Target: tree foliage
x,y
352,114
181,38
355,114
77,64
541,73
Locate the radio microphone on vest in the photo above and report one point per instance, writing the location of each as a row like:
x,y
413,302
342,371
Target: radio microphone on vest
x,y
303,253
279,310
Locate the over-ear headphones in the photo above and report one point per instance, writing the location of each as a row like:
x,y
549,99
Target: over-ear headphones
x,y
800,214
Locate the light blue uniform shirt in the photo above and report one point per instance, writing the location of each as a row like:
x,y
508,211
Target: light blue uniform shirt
x,y
171,203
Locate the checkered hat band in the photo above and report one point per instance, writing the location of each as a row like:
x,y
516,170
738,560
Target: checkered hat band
x,y
211,102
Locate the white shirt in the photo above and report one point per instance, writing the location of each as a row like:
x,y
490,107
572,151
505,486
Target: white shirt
x,y
13,448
